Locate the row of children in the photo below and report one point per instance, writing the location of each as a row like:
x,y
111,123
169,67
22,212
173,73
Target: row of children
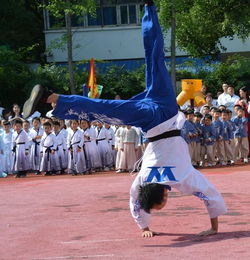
x,y
215,137
53,148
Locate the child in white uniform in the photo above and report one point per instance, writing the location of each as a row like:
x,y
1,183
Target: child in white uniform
x,y
36,133
75,143
49,160
20,150
7,142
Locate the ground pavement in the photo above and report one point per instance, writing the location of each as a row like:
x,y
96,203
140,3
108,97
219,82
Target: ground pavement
x,y
87,217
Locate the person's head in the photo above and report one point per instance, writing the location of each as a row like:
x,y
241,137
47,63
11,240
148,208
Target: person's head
x,y
16,109
56,126
209,98
62,123
205,110
197,117
107,125
224,87
6,126
84,124
190,115
222,107
207,120
243,92
153,196
236,108
218,93
26,125
224,115
6,113
212,109
74,124
230,90
216,114
36,122
204,90
128,126
99,124
117,97
47,127
53,104
18,124
240,112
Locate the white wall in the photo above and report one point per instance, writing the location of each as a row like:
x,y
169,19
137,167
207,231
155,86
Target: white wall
x,y
116,43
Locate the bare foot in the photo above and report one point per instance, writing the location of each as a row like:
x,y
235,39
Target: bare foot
x,y
53,98
208,232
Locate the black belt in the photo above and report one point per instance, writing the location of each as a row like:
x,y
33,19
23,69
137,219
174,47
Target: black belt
x,y
165,135
48,151
98,140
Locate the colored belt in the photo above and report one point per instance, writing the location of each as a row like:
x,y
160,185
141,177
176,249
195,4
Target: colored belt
x,y
165,135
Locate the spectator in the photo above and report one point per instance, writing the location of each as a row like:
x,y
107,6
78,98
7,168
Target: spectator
x,y
222,97
231,99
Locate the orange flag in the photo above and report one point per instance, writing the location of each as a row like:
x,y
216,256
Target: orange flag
x,y
92,80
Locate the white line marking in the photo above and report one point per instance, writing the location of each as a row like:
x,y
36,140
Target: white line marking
x,y
72,257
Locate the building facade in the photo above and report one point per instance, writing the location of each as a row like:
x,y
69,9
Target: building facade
x,y
114,34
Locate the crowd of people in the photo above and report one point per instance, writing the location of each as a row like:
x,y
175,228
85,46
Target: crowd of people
x,y
216,133
219,131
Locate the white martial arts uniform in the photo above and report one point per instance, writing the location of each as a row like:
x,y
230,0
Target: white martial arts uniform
x,y
35,157
103,146
61,150
49,161
77,161
91,149
20,146
175,169
7,153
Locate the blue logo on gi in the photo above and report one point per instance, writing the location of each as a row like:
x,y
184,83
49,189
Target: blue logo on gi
x,y
161,177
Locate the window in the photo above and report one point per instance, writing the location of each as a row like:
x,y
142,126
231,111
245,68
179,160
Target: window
x,y
108,13
77,21
55,22
128,14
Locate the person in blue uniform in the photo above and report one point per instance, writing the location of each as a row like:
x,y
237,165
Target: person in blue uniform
x,y
166,160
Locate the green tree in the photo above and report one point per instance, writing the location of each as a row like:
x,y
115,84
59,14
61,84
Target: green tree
x,y
21,27
67,9
200,24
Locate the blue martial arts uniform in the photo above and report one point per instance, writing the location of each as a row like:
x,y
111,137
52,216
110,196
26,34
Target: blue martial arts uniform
x,y
146,110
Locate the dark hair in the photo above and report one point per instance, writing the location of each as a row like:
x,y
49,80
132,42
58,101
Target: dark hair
x,y
56,123
216,110
36,118
26,121
198,114
224,111
18,121
207,116
150,194
206,106
5,122
47,124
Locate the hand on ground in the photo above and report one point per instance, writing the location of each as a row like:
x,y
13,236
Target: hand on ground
x,y
149,233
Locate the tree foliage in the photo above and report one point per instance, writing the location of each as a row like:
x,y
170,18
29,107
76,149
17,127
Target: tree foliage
x,y
200,24
21,26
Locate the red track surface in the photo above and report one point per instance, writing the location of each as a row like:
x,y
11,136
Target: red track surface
x,y
66,217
